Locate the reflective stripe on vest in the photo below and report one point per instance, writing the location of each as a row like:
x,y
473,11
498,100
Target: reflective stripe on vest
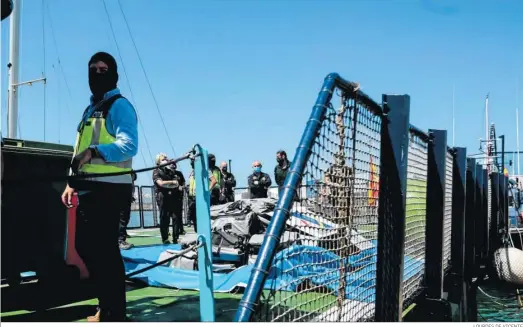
x,y
218,176
94,132
192,185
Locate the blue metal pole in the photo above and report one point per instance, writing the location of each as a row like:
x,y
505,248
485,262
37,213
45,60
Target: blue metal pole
x,y
203,219
281,212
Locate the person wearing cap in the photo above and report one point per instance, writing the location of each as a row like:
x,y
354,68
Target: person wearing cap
x,y
106,142
168,184
259,182
229,183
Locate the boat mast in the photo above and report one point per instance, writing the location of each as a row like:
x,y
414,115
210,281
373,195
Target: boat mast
x,y
487,134
14,69
517,123
453,118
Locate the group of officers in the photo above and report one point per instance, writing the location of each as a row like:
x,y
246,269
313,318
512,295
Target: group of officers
x,y
101,176
170,186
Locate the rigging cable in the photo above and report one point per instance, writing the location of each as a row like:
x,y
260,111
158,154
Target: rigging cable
x,y
59,100
57,53
146,76
43,70
129,85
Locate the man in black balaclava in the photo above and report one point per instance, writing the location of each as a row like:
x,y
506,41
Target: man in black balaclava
x,y
107,141
216,188
102,78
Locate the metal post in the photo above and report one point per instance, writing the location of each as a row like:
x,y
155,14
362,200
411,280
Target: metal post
x,y
485,214
391,210
505,207
458,293
494,243
14,69
203,219
437,152
517,136
502,200
479,226
470,216
502,137
140,206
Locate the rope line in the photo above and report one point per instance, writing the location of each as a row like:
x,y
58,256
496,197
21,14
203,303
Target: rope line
x,y
159,263
57,52
129,85
146,76
190,155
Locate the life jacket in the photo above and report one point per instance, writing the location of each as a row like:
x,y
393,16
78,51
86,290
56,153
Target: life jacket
x,y
192,185
94,132
218,176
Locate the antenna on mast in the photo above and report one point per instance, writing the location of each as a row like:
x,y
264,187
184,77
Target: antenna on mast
x,y
486,118
453,118
517,122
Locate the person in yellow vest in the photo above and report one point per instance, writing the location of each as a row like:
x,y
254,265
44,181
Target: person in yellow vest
x,y
217,188
107,141
191,197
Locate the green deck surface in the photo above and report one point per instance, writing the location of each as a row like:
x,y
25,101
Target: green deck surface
x,y
143,304
153,304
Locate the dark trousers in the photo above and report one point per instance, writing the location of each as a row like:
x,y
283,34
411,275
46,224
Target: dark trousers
x,y
215,196
191,207
227,197
97,231
170,208
178,218
125,217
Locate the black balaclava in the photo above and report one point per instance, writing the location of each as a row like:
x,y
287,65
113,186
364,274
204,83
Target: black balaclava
x,y
103,83
212,161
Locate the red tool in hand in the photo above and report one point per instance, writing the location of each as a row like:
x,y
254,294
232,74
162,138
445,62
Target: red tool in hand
x,y
73,258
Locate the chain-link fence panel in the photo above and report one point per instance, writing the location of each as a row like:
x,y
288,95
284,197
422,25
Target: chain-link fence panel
x,y
447,222
416,214
325,266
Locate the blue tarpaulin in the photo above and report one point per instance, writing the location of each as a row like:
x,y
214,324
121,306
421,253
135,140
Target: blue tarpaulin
x,y
292,267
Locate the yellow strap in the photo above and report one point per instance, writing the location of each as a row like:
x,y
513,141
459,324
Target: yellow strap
x,y
101,169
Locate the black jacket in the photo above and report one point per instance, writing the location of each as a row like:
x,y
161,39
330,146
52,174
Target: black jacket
x,y
165,174
259,184
280,174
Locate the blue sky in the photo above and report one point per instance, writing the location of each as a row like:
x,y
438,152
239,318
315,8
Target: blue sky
x,y
241,77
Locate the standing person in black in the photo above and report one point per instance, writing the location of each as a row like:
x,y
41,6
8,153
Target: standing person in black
x,y
167,186
178,202
107,141
281,169
124,221
229,183
259,182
